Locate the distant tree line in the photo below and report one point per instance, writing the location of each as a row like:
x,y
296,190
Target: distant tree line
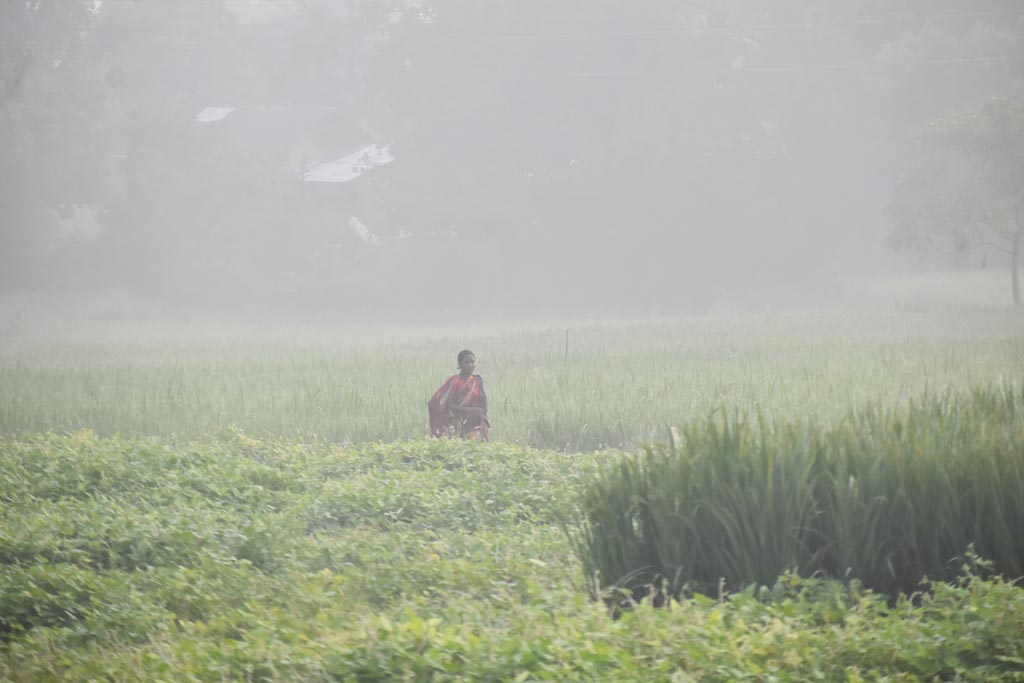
x,y
655,153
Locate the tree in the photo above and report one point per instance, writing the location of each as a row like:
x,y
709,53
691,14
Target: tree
x,y
580,135
966,190
53,125
732,136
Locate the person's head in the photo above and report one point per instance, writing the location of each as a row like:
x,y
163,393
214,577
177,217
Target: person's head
x,y
467,362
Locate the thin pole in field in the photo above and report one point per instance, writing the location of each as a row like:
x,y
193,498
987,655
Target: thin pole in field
x,y
567,345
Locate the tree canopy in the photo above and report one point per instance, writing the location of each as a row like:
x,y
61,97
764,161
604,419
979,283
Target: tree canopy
x,y
657,152
966,189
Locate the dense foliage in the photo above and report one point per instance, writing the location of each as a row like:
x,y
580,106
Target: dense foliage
x,y
888,497
963,191
237,559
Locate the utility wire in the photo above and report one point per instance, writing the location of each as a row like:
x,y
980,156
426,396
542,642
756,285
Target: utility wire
x,y
648,33
709,70
697,30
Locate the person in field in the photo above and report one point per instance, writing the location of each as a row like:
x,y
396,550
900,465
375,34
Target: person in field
x,y
459,407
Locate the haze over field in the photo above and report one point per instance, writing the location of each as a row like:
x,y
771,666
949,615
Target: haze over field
x,y
741,276
318,157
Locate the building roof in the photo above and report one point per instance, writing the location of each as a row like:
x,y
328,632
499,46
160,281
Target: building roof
x,y
317,144
348,167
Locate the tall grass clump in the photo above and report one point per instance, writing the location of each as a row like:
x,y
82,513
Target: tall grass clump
x,y
889,496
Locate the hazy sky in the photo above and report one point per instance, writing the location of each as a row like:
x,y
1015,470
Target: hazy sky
x,y
475,153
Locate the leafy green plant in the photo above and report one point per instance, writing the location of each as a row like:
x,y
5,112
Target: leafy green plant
x,y
235,573
890,496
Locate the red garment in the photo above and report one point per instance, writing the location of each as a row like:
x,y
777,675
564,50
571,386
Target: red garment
x,y
459,392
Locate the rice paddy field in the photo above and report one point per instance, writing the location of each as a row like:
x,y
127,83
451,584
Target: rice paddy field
x,y
207,501
612,384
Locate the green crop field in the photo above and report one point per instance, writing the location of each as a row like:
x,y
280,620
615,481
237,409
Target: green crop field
x,y
238,559
252,502
618,383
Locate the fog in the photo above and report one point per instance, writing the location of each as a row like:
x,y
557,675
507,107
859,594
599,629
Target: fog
x,y
321,157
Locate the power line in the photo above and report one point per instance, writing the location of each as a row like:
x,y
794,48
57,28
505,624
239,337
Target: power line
x,y
645,33
795,68
698,30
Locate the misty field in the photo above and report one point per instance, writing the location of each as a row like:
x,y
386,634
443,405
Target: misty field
x,y
741,278
212,501
578,386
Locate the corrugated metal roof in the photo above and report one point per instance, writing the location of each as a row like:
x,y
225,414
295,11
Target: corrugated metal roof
x,y
348,167
212,114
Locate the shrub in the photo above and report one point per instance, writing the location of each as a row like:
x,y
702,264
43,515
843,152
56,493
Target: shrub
x,y
889,496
